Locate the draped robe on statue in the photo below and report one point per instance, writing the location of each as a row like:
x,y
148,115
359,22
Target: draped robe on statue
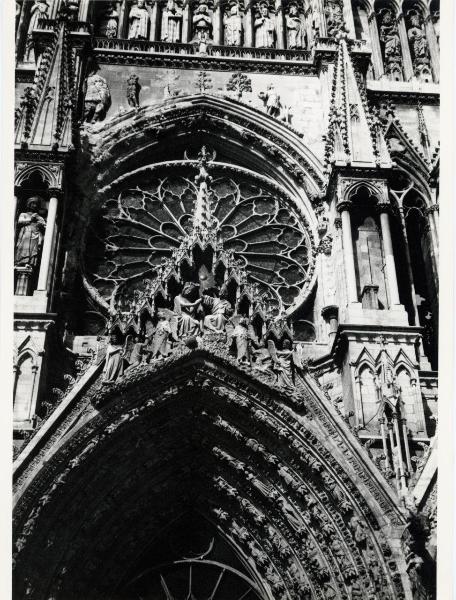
x,y
264,31
139,23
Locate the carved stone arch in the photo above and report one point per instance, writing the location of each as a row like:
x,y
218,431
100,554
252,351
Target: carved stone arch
x,y
376,190
252,135
365,357
268,479
394,5
51,174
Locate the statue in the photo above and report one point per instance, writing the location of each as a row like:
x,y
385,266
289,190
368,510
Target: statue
x,y
334,17
240,335
139,21
264,28
161,345
187,324
389,37
171,22
233,26
109,24
295,29
114,364
31,227
220,308
136,353
97,98
133,89
417,37
38,11
202,24
271,100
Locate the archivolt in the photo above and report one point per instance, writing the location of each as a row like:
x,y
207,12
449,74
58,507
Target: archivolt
x,y
195,435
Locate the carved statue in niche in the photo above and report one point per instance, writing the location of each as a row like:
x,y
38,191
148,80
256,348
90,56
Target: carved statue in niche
x,y
71,8
133,89
171,22
31,227
184,309
232,22
114,364
109,22
390,38
38,11
202,23
417,36
139,19
97,98
334,17
264,27
296,34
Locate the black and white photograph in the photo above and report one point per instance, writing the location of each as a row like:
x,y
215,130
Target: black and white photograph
x,y
225,252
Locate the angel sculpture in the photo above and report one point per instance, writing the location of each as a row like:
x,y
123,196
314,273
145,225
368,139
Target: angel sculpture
x,y
166,329
187,324
114,362
220,308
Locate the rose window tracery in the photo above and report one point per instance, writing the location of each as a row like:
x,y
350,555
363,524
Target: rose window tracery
x,y
143,224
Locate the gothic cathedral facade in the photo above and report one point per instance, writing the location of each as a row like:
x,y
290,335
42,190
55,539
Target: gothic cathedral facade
x,y
226,299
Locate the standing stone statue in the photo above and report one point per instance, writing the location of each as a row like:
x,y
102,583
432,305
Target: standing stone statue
x,y
109,24
202,24
171,22
295,29
97,98
30,227
417,37
133,89
114,365
39,10
264,28
139,19
271,101
233,26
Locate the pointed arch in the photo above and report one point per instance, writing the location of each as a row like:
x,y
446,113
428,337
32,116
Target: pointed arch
x,y
202,433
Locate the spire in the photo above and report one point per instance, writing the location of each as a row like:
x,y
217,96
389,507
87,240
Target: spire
x,y
354,134
46,120
202,216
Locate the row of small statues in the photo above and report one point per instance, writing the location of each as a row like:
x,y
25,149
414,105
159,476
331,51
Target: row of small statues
x,y
187,323
265,24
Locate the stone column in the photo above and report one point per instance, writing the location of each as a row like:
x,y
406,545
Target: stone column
x,y
384,443
433,47
406,56
218,24
400,457
348,18
84,10
280,25
123,20
406,444
377,59
409,267
46,255
248,25
186,24
391,277
349,260
154,20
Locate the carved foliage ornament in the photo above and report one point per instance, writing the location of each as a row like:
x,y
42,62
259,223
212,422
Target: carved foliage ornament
x,y
145,225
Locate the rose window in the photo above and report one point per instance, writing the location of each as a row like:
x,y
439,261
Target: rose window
x,y
145,220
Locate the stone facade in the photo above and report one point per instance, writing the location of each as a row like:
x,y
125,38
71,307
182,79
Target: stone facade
x,y
226,299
